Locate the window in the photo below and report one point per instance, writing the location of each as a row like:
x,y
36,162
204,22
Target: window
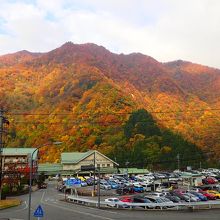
x,y
103,165
108,165
98,165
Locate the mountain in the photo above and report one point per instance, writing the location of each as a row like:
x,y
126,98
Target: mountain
x,y
15,58
82,94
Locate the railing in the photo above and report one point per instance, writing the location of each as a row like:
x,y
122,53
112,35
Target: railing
x,y
147,206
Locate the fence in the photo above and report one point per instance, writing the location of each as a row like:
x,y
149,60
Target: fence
x,y
146,206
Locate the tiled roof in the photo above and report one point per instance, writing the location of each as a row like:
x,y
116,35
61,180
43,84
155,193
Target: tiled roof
x,y
19,151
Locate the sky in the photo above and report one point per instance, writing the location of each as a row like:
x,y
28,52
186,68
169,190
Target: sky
x,y
164,29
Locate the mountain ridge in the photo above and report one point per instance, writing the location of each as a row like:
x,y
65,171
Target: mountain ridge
x,y
92,83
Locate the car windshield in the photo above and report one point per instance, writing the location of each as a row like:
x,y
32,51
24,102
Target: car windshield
x,y
147,200
159,200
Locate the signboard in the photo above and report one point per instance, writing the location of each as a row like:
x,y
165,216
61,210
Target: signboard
x,y
87,167
39,212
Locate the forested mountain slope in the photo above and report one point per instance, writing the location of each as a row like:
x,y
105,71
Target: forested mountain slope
x,y
83,95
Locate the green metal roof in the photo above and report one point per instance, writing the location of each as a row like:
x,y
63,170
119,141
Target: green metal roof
x,y
74,157
190,175
50,168
133,170
20,151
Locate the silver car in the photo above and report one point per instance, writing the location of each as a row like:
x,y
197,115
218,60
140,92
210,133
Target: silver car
x,y
105,185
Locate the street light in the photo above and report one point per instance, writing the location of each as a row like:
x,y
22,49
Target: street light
x,y
31,176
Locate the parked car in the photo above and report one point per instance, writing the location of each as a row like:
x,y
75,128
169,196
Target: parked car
x,y
90,181
208,195
199,195
105,185
159,200
113,184
124,190
192,198
138,188
126,199
81,178
209,180
83,184
141,199
113,202
156,194
216,193
172,198
181,196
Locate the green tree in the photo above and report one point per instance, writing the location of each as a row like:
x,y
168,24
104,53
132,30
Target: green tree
x,y
141,122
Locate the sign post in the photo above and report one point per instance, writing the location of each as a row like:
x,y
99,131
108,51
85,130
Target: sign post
x,y
39,213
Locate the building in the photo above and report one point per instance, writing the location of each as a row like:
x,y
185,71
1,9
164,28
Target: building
x,y
50,169
73,161
191,179
18,160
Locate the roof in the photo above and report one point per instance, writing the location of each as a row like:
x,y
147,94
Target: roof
x,y
76,157
19,151
190,175
133,170
73,157
50,167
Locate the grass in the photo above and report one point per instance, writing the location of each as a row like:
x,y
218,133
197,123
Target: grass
x,y
9,203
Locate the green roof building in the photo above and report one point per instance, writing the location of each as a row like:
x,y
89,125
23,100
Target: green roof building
x,y
73,161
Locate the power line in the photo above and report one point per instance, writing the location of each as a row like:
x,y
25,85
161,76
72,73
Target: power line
x,y
109,122
115,113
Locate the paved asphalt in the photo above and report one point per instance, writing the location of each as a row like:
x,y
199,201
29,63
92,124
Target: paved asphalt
x,y
54,209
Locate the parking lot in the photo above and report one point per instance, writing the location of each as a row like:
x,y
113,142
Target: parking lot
x,y
153,190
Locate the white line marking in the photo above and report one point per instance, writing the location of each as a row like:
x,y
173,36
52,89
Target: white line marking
x,y
79,212
42,197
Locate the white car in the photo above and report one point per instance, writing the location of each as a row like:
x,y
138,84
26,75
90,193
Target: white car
x,y
113,202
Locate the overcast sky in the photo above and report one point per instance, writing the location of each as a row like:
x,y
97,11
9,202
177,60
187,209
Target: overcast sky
x,y
164,29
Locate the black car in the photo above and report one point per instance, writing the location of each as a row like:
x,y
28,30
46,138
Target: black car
x,y
140,199
174,199
90,182
124,190
181,196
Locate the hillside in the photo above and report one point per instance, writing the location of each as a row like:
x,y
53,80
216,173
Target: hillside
x,y
83,94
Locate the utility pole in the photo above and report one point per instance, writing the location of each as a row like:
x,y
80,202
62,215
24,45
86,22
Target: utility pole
x,y
178,161
1,149
94,161
3,120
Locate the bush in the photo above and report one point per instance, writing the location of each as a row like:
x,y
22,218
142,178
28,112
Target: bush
x,y
5,189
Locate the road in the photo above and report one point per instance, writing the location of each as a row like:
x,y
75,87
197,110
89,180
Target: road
x,y
54,209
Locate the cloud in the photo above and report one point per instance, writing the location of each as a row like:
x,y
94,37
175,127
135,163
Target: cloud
x,y
165,29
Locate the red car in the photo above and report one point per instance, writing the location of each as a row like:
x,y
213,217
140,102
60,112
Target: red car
x,y
126,199
209,196
209,180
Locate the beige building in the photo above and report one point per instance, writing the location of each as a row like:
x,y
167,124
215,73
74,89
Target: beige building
x,y
74,160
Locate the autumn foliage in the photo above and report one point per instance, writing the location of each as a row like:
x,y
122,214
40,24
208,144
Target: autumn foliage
x,y
83,95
